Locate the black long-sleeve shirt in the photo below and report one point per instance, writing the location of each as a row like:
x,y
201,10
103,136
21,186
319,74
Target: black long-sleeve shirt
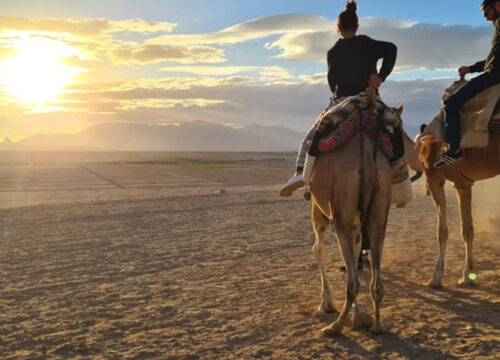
x,y
351,61
492,63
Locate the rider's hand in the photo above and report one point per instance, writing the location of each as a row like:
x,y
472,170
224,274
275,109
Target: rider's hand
x,y
462,71
371,91
374,81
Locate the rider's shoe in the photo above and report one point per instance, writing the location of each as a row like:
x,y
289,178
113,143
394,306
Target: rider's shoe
x,y
298,180
295,182
449,157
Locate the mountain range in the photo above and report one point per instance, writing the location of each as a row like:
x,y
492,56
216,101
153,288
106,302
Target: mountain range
x,y
192,136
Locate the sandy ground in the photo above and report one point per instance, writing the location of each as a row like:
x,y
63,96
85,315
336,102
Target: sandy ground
x,y
203,260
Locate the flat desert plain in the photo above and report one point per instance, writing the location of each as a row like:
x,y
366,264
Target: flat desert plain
x,y
195,256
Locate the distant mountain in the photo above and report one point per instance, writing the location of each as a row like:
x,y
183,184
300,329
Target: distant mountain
x,y
193,136
7,143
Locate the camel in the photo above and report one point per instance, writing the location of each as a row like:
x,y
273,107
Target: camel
x,y
351,189
477,164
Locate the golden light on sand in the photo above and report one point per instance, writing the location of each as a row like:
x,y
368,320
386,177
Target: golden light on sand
x,y
35,74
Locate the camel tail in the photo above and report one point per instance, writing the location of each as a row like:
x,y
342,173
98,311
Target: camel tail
x,y
368,178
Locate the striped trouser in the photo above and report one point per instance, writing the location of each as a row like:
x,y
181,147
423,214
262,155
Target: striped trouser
x,y
306,143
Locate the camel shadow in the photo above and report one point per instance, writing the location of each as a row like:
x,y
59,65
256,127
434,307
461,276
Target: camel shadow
x,y
458,306
462,302
387,345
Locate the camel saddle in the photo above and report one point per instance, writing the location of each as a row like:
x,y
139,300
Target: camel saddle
x,y
339,124
478,117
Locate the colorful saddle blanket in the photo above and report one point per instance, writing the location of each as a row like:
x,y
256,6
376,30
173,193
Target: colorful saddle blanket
x,y
339,124
347,129
478,117
494,124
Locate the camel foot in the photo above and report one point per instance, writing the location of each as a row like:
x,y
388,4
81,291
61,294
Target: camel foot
x,y
361,321
435,284
334,329
326,308
377,329
467,281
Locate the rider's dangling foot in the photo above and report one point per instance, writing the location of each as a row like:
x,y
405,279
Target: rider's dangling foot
x,y
453,155
295,182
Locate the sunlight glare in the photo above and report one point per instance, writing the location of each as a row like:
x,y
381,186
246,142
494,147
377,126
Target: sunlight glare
x,y
35,74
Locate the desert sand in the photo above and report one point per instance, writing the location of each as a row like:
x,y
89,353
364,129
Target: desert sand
x,y
195,256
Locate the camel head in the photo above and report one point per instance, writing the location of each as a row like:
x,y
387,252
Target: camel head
x,y
400,109
430,151
392,116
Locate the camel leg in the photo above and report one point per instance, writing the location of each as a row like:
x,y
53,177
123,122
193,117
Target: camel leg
x,y
320,224
357,249
377,224
465,199
436,187
360,319
345,238
376,287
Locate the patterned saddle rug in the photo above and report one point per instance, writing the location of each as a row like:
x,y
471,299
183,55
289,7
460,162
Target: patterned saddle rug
x,y
339,124
478,117
347,129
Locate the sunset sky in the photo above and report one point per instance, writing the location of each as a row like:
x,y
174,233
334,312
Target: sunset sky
x,y
66,65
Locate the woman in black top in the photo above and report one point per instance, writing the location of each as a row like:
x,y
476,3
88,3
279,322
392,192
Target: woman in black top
x,y
352,64
352,69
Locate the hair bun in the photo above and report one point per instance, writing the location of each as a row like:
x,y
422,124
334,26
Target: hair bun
x,y
351,6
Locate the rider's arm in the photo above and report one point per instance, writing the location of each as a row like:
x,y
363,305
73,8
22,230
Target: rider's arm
x,y
477,67
332,82
386,51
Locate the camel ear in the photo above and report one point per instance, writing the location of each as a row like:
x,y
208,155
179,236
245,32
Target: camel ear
x,y
400,109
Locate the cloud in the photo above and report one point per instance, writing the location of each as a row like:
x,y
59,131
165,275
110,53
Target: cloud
x,y
81,63
305,45
165,103
251,30
103,41
161,53
308,37
220,75
293,105
207,70
83,27
140,26
420,46
315,79
300,37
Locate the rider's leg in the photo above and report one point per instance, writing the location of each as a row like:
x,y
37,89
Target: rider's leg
x,y
452,118
303,167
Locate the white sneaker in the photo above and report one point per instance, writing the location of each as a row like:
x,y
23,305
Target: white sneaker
x,y
295,182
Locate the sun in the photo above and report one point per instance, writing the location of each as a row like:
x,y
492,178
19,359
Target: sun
x,y
35,74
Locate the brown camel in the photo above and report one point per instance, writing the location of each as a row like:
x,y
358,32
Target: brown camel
x,y
351,189
477,164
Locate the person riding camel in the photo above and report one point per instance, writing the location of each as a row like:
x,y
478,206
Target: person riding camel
x,y
490,76
352,69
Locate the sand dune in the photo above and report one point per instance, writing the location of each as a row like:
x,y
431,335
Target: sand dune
x,y
154,261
